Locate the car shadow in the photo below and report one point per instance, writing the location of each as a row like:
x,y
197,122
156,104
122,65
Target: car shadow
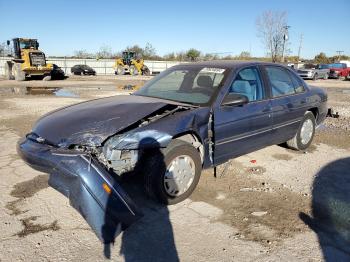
x,y
151,238
331,210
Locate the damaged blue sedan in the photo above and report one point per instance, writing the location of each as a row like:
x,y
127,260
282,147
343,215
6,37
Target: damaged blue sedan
x,y
188,118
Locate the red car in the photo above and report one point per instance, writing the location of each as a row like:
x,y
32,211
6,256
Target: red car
x,y
338,70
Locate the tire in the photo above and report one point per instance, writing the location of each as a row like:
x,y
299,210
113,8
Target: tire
x,y
325,77
154,172
120,70
18,73
8,71
46,78
307,124
314,78
133,70
146,71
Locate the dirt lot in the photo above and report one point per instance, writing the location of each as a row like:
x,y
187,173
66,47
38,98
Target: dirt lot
x,y
263,206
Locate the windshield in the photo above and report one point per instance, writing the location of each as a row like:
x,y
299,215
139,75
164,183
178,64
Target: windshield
x,y
336,65
193,85
26,44
323,66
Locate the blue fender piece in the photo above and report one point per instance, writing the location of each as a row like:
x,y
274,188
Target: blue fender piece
x,y
90,188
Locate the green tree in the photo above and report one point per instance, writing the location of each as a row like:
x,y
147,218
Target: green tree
x,y
193,54
321,58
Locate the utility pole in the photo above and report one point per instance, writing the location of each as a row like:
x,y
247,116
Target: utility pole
x,y
300,45
339,54
285,38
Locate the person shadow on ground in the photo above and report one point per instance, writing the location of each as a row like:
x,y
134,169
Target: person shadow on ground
x,y
331,210
151,238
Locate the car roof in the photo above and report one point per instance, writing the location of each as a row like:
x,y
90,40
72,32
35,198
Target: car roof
x,y
227,63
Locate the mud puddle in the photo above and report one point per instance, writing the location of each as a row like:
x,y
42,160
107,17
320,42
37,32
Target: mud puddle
x,y
56,91
24,190
30,228
261,211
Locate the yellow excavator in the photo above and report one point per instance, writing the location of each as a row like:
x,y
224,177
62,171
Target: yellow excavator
x,y
131,64
26,61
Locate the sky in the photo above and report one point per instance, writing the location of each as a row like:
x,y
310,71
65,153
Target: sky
x,y
170,26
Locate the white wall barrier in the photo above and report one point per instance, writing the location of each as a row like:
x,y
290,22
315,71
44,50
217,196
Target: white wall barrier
x,y
102,66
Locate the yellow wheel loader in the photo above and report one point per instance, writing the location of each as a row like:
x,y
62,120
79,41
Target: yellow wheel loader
x,y
27,60
129,63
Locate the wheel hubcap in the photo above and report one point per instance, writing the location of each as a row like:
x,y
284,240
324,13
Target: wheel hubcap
x,y
306,131
179,175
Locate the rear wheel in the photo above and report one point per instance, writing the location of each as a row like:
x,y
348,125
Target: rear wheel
x,y
146,71
325,77
171,176
47,78
133,70
303,138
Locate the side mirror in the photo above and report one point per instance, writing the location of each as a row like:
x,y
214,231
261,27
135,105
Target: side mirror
x,y
8,42
235,100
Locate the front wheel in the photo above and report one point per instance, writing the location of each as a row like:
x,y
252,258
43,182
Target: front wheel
x,y
120,70
303,138
171,176
315,77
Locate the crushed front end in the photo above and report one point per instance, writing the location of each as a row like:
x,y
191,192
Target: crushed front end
x,y
90,188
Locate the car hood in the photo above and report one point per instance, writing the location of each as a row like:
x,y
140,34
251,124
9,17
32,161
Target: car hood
x,y
306,70
90,123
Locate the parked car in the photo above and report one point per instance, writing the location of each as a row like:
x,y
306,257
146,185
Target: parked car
x,y
188,118
339,70
82,70
57,73
314,72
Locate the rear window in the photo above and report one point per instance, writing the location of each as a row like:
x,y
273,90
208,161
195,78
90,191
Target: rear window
x,y
280,80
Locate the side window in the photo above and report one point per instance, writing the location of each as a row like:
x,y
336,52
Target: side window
x,y
298,84
281,83
248,83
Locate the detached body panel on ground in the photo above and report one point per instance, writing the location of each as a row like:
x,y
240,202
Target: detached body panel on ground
x,y
189,117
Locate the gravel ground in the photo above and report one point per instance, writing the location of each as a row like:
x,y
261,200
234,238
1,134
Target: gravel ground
x,y
261,207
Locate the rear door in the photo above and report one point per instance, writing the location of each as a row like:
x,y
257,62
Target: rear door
x,y
242,129
288,102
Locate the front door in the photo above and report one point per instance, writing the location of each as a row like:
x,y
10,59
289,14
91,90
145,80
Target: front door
x,y
243,129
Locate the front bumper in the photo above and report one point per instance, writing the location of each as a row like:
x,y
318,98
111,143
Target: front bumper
x,y
91,190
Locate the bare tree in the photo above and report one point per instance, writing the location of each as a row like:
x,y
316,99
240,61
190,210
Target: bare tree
x,y
104,52
82,54
271,27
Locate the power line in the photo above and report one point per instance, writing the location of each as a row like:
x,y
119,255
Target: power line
x,y
339,54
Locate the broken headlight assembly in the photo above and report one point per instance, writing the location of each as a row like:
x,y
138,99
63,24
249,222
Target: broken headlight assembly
x,y
121,152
